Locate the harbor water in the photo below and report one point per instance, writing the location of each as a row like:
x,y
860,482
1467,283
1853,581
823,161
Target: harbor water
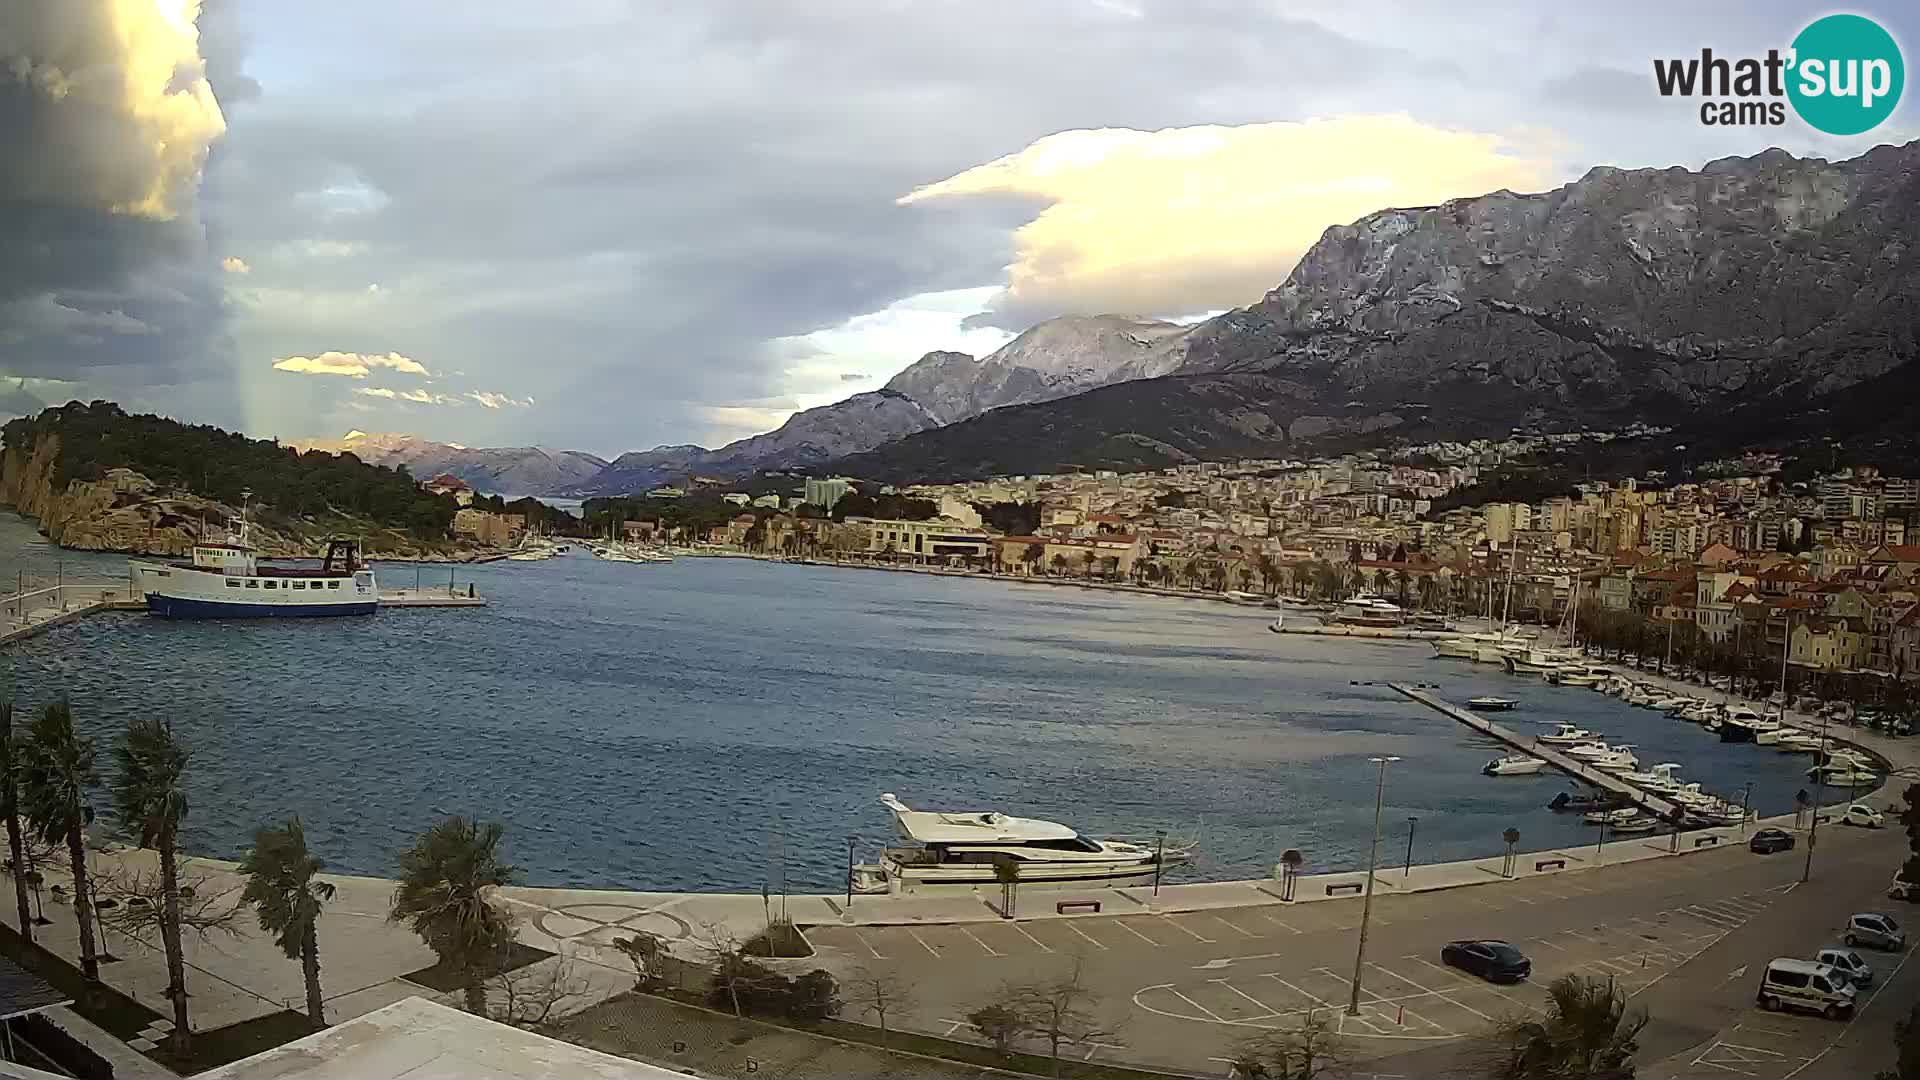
x,y
728,723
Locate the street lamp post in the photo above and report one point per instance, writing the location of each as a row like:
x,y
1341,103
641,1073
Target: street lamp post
x,y
850,871
1746,807
1819,796
1412,823
1366,908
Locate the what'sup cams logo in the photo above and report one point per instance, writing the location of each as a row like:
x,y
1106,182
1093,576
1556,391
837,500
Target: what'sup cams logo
x,y
1843,75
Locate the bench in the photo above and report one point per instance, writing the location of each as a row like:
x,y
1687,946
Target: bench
x,y
1703,841
1542,864
1068,906
1333,890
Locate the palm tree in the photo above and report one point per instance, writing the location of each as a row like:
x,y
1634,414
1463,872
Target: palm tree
x,y
286,898
148,795
10,809
56,769
1586,1034
442,896
1086,563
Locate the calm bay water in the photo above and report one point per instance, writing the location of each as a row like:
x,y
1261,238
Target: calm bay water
x,y
695,725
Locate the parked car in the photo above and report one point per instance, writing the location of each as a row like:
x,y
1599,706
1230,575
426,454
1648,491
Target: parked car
x,y
1494,961
1769,840
1803,984
1862,815
1849,962
1876,931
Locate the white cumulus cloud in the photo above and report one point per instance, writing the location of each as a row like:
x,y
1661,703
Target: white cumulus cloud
x,y
351,365
497,401
234,264
1199,218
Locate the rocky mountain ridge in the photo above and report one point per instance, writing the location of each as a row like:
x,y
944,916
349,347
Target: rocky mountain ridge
x,y
1747,294
509,471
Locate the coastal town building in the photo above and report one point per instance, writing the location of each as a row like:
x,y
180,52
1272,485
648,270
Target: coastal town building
x,y
487,527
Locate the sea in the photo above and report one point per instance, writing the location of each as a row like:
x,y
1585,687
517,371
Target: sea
x,y
730,724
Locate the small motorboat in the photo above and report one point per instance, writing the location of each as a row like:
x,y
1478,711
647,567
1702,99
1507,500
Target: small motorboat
x,y
1589,752
1659,780
1798,742
1639,823
1622,760
1491,704
1514,765
1566,735
1611,817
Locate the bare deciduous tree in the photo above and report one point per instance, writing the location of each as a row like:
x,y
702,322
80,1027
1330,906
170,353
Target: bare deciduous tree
x,y
1060,1011
141,894
1308,1052
877,994
539,994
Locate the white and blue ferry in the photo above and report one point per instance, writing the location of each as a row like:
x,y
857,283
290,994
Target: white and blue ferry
x,y
226,581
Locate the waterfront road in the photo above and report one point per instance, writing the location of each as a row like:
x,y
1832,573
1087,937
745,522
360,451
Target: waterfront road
x,y
1686,936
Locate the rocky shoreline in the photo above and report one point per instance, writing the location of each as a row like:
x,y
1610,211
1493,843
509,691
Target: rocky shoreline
x,y
124,512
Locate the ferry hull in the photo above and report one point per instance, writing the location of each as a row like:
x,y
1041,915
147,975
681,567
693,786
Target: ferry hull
x,y
175,607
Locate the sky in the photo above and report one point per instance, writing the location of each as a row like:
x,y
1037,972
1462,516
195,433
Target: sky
x,y
608,224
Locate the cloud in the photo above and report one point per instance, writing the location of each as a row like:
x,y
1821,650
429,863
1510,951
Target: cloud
x,y
1190,219
124,107
351,365
234,264
497,401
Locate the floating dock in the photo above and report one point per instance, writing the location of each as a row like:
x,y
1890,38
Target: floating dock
x,y
1527,744
431,598
1377,633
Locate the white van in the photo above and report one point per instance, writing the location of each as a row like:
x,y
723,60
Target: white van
x,y
1803,984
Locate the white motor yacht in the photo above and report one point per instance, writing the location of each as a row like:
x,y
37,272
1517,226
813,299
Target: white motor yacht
x,y
1622,760
964,849
1611,816
1589,752
1659,780
1514,765
1691,797
1566,735
1796,742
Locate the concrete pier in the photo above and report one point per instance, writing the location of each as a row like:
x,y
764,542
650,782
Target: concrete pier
x,y
395,598
1528,744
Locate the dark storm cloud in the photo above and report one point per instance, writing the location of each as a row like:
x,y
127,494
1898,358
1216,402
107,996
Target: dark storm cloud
x,y
105,280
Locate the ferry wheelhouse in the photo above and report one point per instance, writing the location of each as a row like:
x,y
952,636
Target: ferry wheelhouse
x,y
226,581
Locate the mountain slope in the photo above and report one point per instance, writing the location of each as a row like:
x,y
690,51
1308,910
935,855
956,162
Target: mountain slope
x,y
1057,358
1743,296
812,437
524,470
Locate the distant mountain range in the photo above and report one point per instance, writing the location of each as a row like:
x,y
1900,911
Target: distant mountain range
x,y
1759,299
525,470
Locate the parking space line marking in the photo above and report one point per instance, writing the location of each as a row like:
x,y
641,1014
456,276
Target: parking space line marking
x,y
1089,938
1233,926
931,951
1215,1016
1578,934
868,945
1030,937
1548,944
1277,922
1376,1003
1310,997
1271,1012
1616,968
1137,933
1168,919
1753,1049
991,951
1441,994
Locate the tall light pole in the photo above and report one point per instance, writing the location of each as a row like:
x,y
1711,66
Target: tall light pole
x,y
1366,909
1819,796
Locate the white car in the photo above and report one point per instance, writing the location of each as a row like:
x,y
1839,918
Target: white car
x,y
1862,815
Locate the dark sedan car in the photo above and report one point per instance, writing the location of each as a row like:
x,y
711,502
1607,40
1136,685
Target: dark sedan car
x,y
1768,841
1494,961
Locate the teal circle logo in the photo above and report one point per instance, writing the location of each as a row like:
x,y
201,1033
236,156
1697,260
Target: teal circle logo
x,y
1847,74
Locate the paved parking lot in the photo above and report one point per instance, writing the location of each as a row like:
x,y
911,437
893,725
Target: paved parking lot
x,y
1412,996
1776,1046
